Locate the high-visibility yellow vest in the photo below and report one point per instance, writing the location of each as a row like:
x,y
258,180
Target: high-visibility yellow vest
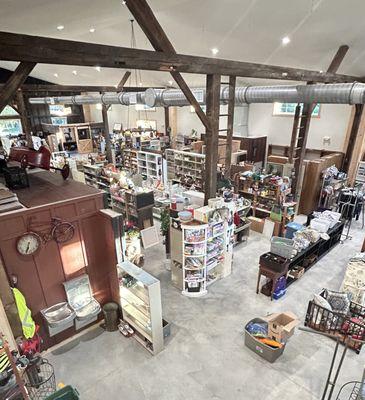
x,y
28,325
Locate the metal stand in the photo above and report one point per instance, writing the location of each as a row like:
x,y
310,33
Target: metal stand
x,y
348,210
331,382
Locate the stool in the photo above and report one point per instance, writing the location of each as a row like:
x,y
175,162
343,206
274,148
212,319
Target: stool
x,y
270,274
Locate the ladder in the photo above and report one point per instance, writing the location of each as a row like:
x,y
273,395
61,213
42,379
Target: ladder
x,y
229,115
298,144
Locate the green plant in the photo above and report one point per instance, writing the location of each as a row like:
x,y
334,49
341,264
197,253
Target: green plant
x,y
165,222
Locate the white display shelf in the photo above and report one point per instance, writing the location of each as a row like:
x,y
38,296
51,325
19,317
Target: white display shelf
x,y
140,299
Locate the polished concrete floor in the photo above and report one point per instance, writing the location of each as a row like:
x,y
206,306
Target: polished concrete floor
x,y
205,357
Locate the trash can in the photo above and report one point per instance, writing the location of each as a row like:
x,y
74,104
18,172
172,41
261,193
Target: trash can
x,y
111,316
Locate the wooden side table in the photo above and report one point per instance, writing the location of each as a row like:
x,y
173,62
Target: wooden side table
x,y
270,274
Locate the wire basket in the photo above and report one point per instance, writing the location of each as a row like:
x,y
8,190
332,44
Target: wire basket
x,y
40,380
350,391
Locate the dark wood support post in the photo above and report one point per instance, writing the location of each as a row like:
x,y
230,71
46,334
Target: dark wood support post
x,y
167,122
16,79
359,108
108,143
230,120
211,137
23,112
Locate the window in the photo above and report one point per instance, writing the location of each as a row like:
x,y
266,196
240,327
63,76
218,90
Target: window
x,y
10,123
289,109
59,120
147,124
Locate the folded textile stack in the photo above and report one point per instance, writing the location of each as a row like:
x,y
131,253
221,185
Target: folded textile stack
x,y
302,239
8,200
354,280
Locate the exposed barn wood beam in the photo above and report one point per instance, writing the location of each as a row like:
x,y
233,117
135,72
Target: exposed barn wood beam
x,y
108,144
337,59
230,119
123,80
212,136
18,47
16,79
23,112
359,108
146,19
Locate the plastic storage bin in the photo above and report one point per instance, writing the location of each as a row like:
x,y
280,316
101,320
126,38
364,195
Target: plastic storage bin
x,y
264,351
283,247
320,225
66,393
291,228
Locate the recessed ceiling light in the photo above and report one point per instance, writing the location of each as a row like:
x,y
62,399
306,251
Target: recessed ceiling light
x,y
170,83
285,40
55,75
215,51
74,72
60,27
92,30
321,72
124,2
98,68
140,84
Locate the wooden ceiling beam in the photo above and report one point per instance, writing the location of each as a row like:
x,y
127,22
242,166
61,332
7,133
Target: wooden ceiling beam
x,y
337,59
123,81
146,19
16,79
18,47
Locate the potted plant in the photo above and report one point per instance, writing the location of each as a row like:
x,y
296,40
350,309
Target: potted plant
x,y
165,229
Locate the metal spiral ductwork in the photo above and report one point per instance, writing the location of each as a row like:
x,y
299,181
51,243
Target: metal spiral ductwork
x,y
340,93
123,98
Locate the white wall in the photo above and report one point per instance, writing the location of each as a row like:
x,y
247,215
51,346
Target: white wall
x,y
128,116
186,120
332,122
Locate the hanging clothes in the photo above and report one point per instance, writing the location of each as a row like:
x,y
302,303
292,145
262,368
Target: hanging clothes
x,y
28,325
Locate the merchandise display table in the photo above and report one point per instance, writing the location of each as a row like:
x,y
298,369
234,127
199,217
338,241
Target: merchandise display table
x,y
305,259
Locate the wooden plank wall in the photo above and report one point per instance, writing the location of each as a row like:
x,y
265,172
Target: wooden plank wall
x,y
40,277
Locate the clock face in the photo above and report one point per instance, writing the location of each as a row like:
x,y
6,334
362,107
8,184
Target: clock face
x,y
28,244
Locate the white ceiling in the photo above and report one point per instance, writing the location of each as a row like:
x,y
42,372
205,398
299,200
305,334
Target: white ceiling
x,y
247,30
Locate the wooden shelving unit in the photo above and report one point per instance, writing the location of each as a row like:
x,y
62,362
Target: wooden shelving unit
x,y
130,159
136,207
186,168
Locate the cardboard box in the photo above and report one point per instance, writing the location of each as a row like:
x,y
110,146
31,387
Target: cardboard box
x,y
257,224
282,326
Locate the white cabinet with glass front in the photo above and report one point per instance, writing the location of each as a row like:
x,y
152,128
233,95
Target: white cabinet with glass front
x,y
140,299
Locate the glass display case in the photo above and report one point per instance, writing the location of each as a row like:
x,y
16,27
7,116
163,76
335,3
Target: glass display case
x,y
140,299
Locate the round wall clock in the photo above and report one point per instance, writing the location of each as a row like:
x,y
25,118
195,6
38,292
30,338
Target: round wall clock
x,y
28,244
